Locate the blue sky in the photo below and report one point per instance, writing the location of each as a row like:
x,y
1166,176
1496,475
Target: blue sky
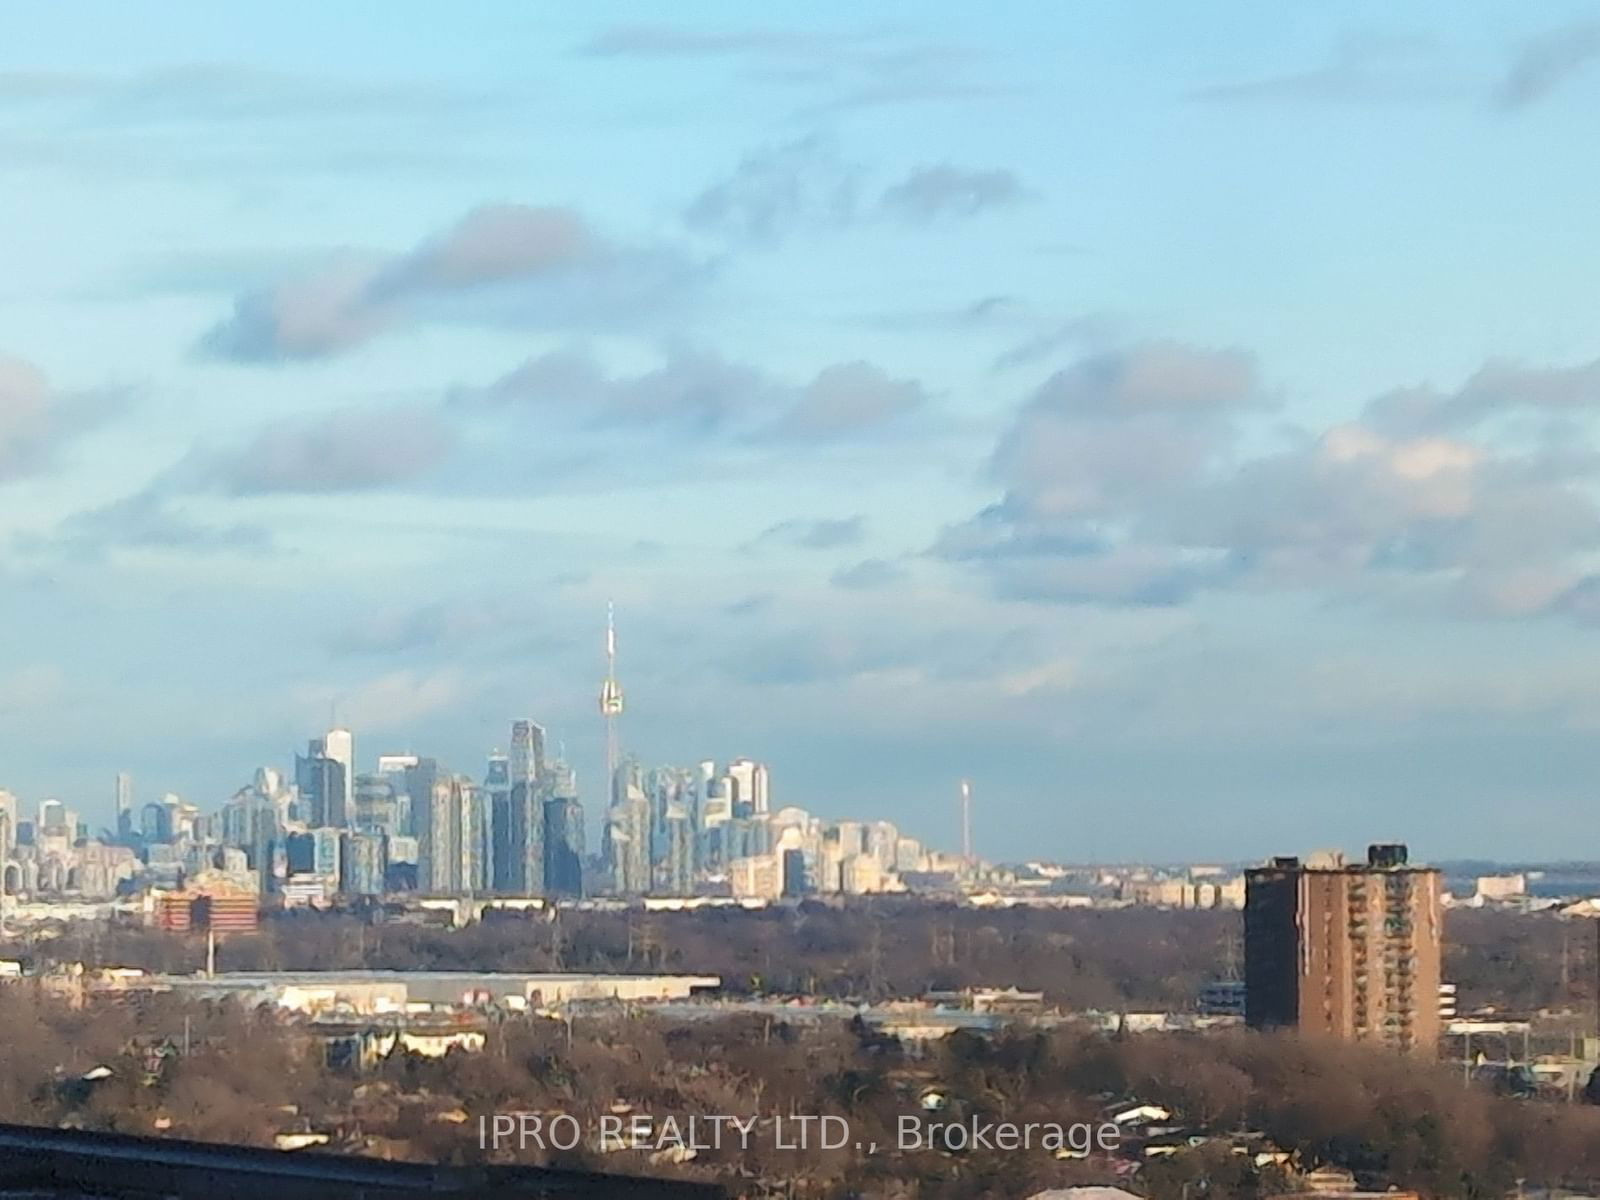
x,y
1178,419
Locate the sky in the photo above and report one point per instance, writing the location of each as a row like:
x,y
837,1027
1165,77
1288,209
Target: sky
x,y
1179,420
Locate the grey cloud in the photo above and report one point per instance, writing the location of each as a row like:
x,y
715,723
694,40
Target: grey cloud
x,y
570,376
147,520
1030,555
1119,427
351,450
1004,530
444,624
800,657
624,291
849,399
808,186
750,605
692,388
1579,600
827,533
1090,467
669,41
1124,576
705,393
501,264
218,92
1156,377
1075,334
391,633
779,190
1496,390
1340,501
1364,69
24,416
987,312
343,451
1127,482
493,244
945,191
1355,504
867,574
36,421
846,70
991,309
206,121
324,312
1548,61
855,647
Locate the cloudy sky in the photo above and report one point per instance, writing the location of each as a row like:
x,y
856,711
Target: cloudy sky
x,y
1179,419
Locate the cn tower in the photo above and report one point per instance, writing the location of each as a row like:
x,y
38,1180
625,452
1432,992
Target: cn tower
x,y
611,703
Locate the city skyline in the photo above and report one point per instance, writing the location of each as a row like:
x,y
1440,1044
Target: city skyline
x,y
330,800
1056,400
330,833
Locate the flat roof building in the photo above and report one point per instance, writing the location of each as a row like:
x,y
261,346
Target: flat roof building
x,y
363,991
1348,951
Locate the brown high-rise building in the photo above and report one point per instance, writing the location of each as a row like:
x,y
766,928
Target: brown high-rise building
x,y
1350,951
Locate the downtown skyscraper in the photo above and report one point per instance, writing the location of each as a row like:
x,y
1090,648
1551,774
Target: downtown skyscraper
x,y
453,850
529,784
325,784
526,762
628,832
518,785
339,744
564,840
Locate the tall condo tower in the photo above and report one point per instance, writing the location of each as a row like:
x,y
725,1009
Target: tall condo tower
x,y
611,700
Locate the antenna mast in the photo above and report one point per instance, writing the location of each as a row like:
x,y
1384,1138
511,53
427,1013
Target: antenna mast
x,y
966,821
